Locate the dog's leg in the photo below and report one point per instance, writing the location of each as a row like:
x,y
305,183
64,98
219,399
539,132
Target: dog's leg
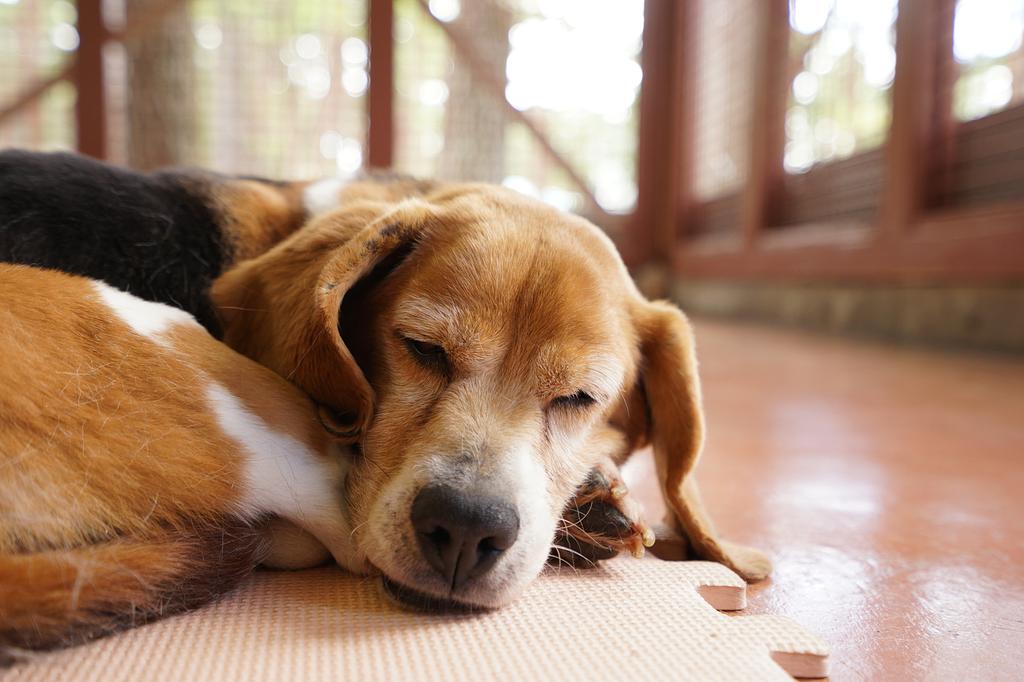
x,y
66,596
292,548
601,521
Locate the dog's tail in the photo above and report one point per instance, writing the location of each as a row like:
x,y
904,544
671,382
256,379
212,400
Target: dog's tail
x,y
62,597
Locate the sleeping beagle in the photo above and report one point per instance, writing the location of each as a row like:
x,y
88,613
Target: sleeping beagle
x,y
138,460
482,352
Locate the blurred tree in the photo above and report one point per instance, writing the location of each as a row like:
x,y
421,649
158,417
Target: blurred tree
x,y
474,128
162,117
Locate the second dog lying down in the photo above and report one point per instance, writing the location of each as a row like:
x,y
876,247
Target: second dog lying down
x,y
137,457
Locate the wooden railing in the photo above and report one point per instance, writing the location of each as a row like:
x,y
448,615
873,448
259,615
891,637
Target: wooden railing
x,y
915,228
925,223
84,69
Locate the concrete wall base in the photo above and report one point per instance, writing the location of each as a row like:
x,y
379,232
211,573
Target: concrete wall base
x,y
977,317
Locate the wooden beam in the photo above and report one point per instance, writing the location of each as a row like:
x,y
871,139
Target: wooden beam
x,y
35,91
965,246
944,124
380,100
88,77
763,191
913,135
909,240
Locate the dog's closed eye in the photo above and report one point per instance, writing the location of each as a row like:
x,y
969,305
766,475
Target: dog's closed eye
x,y
578,400
428,354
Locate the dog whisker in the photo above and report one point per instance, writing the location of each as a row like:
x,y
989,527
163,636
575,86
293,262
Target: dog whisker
x,y
563,548
355,528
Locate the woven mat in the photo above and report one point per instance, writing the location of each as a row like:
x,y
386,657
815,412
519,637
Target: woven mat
x,y
627,619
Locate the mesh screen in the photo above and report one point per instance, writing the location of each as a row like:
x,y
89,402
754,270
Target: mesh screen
x,y
36,37
983,163
842,61
423,63
280,86
570,65
273,88
723,91
277,88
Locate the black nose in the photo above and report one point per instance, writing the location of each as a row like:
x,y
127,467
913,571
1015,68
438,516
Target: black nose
x,y
460,534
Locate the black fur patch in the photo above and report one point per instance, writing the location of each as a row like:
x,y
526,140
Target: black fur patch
x,y
157,236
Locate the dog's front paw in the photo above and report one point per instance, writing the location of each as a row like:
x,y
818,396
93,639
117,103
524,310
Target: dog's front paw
x,y
601,521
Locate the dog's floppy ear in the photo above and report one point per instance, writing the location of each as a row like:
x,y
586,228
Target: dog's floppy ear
x,y
282,308
675,429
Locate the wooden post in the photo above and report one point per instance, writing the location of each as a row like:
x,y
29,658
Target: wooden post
x,y
912,135
664,135
90,102
763,190
940,171
680,135
380,100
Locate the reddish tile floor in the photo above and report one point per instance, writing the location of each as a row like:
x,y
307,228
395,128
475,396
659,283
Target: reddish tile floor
x,y
887,483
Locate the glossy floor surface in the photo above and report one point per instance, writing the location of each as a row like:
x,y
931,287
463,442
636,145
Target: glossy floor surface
x,y
888,485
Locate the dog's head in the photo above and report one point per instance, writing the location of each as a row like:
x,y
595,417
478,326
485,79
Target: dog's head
x,y
483,350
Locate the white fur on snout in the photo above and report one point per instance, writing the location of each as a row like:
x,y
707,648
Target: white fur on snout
x,y
284,477
324,195
515,477
523,477
146,318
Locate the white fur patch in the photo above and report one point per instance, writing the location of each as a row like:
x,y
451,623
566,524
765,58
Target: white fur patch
x,y
285,477
323,195
281,472
147,318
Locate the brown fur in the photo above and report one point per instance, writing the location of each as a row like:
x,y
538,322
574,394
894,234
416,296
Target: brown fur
x,y
83,435
121,498
386,186
545,287
255,215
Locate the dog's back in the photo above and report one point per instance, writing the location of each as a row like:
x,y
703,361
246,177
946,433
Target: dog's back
x,y
163,236
156,236
131,460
